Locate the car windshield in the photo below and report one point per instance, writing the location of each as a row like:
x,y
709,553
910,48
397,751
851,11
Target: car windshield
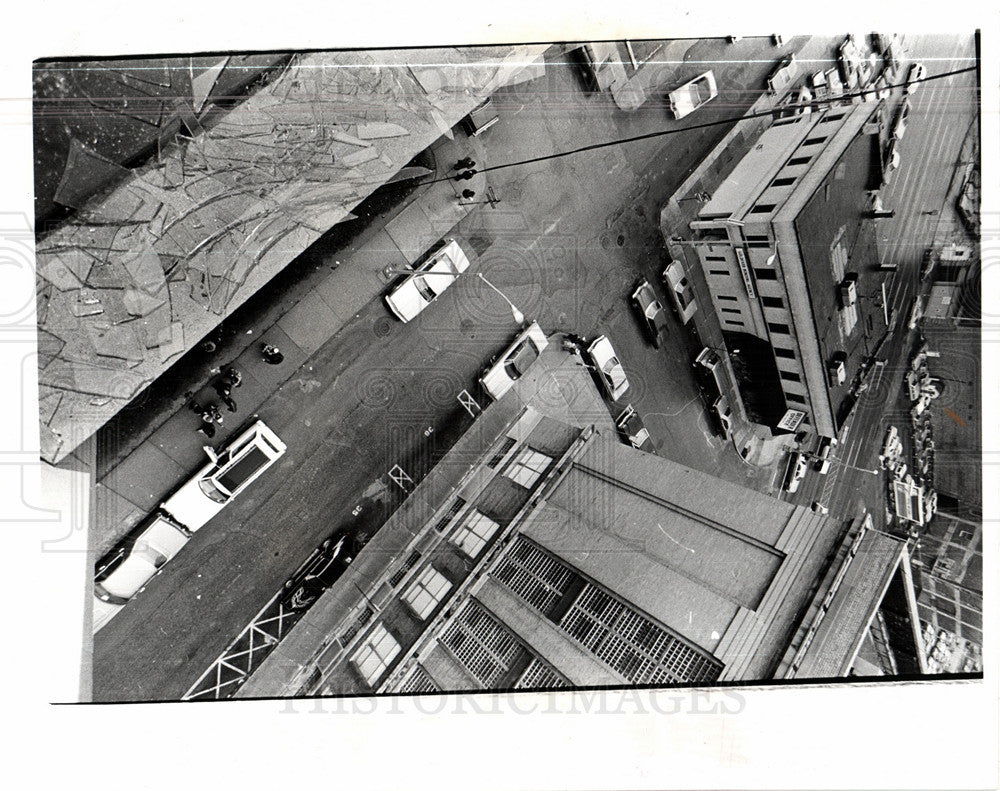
x,y
523,355
423,288
211,491
614,371
242,470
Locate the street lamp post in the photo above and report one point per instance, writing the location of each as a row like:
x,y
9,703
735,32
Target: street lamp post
x,y
518,315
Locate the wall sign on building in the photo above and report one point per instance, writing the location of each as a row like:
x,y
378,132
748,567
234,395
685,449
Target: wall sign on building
x,y
791,420
742,259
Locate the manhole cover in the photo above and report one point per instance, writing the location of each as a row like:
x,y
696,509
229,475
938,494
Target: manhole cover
x,y
621,240
606,242
382,328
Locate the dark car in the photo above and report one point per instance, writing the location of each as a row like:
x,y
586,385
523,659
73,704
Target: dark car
x,y
651,313
633,430
482,117
321,569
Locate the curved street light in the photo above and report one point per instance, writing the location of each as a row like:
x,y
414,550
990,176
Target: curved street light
x,y
518,315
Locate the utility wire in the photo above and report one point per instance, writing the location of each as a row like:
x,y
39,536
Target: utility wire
x,y
814,103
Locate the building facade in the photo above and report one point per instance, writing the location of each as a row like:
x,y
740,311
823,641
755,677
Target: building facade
x,y
787,246
559,557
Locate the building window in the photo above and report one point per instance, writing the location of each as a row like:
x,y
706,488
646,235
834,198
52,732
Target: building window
x,y
726,298
784,181
754,237
528,467
795,398
763,208
508,443
445,520
719,272
787,354
735,311
765,274
735,323
475,531
534,575
418,680
716,258
788,376
427,591
411,561
631,644
375,654
834,117
482,645
798,161
812,141
540,676
772,302
778,328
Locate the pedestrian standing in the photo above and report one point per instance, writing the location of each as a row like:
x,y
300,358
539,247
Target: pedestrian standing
x,y
465,162
467,194
234,377
207,426
272,354
223,388
465,175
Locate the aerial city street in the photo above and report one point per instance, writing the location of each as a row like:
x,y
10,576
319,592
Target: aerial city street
x,y
518,367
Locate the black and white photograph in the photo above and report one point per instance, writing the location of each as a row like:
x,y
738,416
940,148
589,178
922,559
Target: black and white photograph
x,y
536,369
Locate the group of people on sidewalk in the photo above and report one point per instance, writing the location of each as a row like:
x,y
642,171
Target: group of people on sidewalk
x,y
231,378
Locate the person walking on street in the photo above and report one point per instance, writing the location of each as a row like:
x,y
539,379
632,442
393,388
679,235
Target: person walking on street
x,y
465,175
208,420
464,163
467,194
272,354
223,388
234,377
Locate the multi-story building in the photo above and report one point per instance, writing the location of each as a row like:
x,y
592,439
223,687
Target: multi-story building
x,y
788,249
539,554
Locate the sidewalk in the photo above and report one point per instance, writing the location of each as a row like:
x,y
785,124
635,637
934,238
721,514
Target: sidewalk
x,y
138,482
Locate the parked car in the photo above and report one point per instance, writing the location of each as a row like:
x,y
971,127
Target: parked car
x,y
500,376
826,445
633,430
482,117
899,126
321,569
428,281
225,476
608,368
651,313
123,573
692,95
723,414
680,291
797,466
917,73
783,75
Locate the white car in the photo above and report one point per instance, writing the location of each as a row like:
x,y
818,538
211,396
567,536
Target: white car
x,y
511,365
692,95
899,126
121,575
797,466
225,476
608,368
428,281
917,72
680,291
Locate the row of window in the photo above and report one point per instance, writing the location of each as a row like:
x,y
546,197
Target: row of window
x,y
430,587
